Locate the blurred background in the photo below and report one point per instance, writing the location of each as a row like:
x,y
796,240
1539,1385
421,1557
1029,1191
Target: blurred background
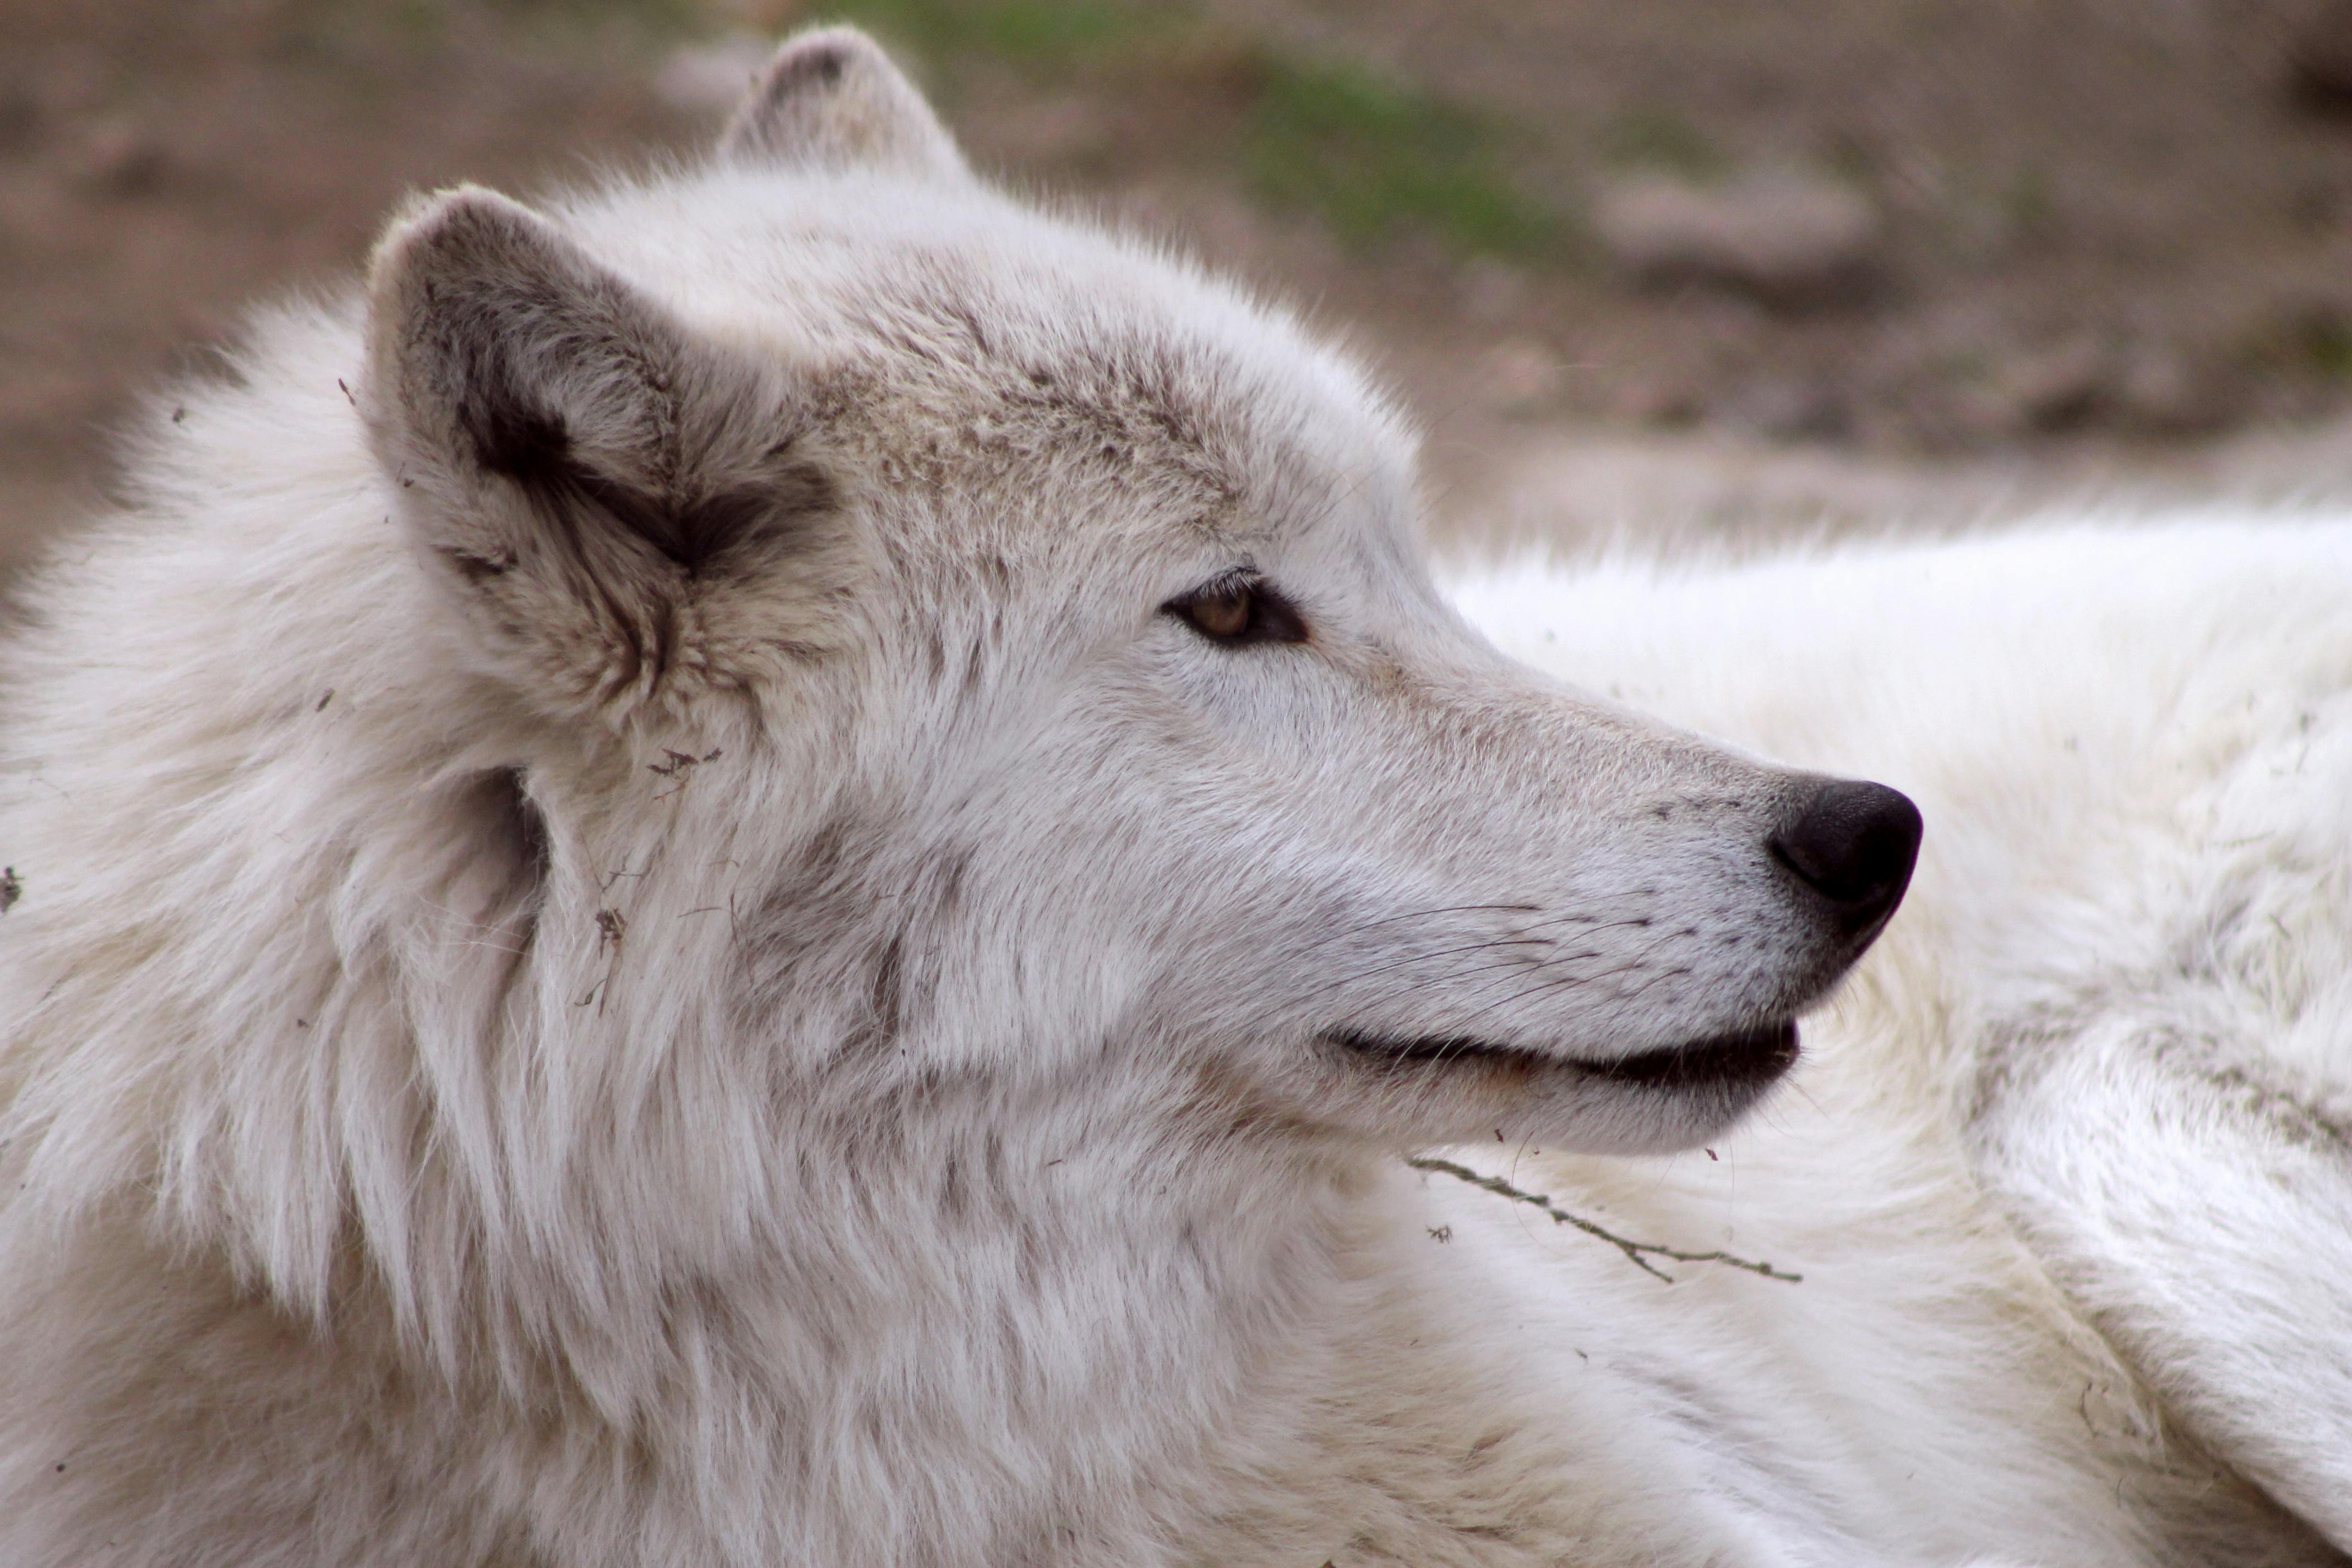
x,y
1730,270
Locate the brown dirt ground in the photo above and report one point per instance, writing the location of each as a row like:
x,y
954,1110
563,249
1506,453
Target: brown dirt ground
x,y
2115,253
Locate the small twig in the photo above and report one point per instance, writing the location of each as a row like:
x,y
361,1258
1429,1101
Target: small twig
x,y
1631,1249
680,761
611,928
679,765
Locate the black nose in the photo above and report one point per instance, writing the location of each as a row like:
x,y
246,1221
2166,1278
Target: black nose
x,y
1855,844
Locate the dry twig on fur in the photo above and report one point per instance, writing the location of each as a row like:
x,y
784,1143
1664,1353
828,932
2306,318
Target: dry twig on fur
x,y
1631,1249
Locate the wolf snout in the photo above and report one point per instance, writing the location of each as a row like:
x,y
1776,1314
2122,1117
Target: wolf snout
x,y
1855,844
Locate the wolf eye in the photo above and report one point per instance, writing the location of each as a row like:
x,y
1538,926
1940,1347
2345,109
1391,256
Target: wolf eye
x,y
1239,609
1224,616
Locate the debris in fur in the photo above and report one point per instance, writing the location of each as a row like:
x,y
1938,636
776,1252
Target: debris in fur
x,y
612,927
1631,1249
12,888
679,766
680,761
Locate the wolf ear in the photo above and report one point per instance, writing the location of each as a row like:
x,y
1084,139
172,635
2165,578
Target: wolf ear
x,y
832,100
602,493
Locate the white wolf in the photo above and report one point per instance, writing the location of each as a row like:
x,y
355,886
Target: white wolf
x,y
766,867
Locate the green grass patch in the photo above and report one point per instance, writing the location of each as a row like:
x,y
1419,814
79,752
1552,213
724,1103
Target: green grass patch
x,y
1041,37
657,18
2313,339
1374,157
2325,340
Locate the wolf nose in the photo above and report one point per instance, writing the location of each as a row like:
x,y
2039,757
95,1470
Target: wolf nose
x,y
1855,844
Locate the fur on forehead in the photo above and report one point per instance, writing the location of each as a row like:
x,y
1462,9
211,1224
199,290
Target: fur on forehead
x,y
651,438
956,297
838,222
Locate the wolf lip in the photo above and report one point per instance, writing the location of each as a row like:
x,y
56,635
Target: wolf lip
x,y
1735,1058
1743,1056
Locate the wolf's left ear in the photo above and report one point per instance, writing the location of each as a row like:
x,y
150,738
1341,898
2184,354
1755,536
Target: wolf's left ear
x,y
620,509
832,100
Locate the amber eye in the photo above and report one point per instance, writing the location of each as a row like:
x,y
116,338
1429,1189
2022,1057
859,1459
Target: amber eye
x,y
1239,608
1226,614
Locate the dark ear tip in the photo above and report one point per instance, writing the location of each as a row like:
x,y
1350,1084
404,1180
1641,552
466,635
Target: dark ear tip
x,y
461,219
822,66
443,292
822,56
818,63
832,97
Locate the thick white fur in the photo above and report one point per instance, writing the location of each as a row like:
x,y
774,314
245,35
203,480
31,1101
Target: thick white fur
x,y
768,1005
2066,1169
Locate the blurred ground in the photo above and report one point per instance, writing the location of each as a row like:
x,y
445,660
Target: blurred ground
x,y
1728,267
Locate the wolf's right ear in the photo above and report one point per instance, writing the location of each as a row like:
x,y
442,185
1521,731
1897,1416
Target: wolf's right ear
x,y
621,509
832,100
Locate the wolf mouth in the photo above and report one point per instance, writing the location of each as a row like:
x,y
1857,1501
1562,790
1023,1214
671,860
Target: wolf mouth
x,y
1735,1059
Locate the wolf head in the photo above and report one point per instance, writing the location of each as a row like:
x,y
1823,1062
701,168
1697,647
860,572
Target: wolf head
x,y
812,843
1022,641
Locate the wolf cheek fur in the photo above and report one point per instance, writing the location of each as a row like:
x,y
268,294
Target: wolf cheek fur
x,y
795,1007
